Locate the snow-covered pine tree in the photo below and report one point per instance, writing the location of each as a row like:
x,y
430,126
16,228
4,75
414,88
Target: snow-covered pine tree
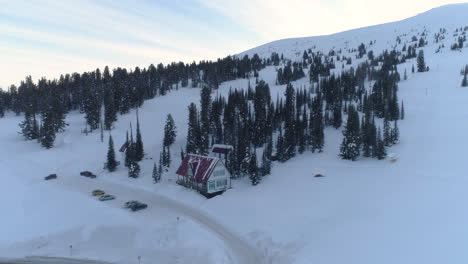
x,y
395,133
170,131
139,151
205,103
280,146
253,169
289,124
402,112
420,61
465,80
387,136
193,134
380,151
156,175
111,162
350,147
47,130
134,169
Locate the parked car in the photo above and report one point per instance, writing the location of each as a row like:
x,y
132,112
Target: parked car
x,y
98,192
138,206
88,174
106,197
135,205
130,203
51,177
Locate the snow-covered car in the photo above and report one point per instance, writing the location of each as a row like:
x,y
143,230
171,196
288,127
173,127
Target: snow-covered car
x,y
106,197
51,177
88,174
98,192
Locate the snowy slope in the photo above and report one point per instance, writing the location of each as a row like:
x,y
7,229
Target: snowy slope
x,y
369,211
448,16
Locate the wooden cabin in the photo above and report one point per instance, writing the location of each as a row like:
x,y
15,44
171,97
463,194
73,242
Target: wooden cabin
x,y
208,175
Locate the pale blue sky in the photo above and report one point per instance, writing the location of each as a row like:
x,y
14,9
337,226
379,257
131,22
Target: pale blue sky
x,y
50,37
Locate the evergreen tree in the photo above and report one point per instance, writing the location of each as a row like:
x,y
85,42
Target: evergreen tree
x,y
139,152
193,134
110,110
402,111
111,164
253,169
134,169
155,174
412,68
405,76
350,147
387,139
170,131
47,129
205,111
420,62
289,124
465,80
317,125
266,158
280,147
29,127
395,133
380,151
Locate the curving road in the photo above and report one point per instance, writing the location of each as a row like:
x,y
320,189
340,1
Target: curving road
x,y
238,250
49,260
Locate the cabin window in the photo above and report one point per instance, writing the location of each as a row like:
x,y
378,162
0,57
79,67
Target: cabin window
x,y
221,183
211,185
217,173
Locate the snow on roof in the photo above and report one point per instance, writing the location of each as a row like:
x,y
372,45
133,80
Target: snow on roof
x,y
221,149
201,167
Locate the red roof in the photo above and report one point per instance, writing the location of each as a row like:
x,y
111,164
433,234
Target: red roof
x,y
123,147
201,167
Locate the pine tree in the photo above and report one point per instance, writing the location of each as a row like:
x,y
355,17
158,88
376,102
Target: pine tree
x,y
47,130
412,68
205,111
402,111
465,80
380,151
110,111
420,62
156,175
253,169
193,134
134,169
350,147
266,158
280,147
111,164
387,134
405,76
182,154
316,125
170,131
395,133
289,124
139,151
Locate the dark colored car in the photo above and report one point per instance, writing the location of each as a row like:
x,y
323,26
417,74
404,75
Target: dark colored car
x,y
51,177
88,174
135,205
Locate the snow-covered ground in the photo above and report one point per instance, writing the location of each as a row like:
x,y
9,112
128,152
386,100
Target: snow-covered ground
x,y
369,211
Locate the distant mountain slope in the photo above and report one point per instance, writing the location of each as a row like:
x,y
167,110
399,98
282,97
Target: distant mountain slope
x,y
448,16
